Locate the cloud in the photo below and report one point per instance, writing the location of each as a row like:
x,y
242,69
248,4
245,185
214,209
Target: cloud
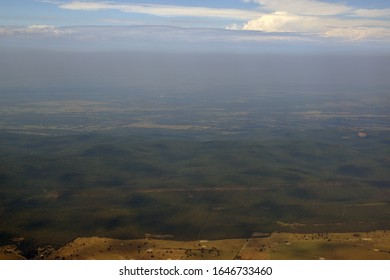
x,y
323,19
359,33
303,7
162,10
51,2
37,29
317,18
169,38
40,27
372,13
141,37
284,22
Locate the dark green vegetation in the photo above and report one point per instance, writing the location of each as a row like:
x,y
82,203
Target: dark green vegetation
x,y
192,169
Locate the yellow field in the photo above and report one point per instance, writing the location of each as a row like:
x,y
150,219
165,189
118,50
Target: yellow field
x,y
277,246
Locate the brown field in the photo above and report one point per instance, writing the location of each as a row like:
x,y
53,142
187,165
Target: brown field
x,y
277,246
10,252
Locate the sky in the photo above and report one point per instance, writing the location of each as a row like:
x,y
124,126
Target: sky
x,y
272,25
119,42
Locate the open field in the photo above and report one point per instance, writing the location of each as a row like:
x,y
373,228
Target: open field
x,y
277,246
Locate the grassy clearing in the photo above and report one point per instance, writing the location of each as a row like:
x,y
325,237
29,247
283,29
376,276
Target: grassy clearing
x,y
278,246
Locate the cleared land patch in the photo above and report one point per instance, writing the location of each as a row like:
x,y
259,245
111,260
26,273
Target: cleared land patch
x,y
373,245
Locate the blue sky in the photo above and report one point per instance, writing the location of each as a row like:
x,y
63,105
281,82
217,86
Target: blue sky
x,y
232,21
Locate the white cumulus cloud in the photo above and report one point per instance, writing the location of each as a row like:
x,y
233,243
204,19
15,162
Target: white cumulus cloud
x,y
284,22
323,19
